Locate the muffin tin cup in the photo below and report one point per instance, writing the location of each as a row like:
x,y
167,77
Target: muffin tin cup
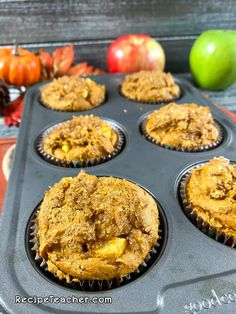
x,y
197,220
182,149
167,101
44,104
88,285
78,164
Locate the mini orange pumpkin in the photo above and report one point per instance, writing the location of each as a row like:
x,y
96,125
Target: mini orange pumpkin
x,y
19,67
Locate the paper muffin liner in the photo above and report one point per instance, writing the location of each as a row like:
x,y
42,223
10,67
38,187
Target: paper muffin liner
x,y
87,285
166,101
183,149
197,220
77,163
47,106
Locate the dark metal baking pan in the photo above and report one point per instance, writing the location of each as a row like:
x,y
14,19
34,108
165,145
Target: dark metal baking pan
x,y
195,273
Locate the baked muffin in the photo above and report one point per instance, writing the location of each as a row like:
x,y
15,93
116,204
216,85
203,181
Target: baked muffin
x,y
96,228
185,127
80,139
72,93
150,87
211,194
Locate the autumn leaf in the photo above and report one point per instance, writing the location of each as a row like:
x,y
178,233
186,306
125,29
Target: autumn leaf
x,y
62,60
14,111
46,64
98,71
84,69
78,69
61,63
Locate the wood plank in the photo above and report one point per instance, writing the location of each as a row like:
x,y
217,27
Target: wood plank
x,y
70,20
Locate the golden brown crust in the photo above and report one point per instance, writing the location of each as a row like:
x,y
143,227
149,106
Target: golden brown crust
x,y
72,93
81,138
150,86
182,126
96,228
211,192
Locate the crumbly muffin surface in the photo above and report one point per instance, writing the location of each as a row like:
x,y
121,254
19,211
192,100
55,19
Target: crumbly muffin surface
x,y
96,228
211,192
81,138
150,86
72,93
182,126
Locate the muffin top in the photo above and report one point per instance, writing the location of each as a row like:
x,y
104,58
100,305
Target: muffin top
x,y
211,192
150,86
186,126
96,228
80,139
72,93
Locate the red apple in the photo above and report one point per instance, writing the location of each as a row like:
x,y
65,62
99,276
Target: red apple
x,y
135,52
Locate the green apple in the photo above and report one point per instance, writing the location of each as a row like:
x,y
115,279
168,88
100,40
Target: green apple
x,y
213,59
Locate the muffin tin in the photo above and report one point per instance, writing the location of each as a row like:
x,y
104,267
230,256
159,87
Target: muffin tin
x,y
192,273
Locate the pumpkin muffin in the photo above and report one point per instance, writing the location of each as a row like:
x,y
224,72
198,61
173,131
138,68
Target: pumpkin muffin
x,y
184,127
80,139
96,228
150,87
211,194
72,93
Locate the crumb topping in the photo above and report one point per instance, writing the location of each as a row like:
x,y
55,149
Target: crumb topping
x,y
211,191
81,138
185,125
150,86
72,93
96,227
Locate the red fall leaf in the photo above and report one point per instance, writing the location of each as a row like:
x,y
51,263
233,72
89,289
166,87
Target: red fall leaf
x,y
79,69
84,69
14,111
46,64
60,63
62,60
